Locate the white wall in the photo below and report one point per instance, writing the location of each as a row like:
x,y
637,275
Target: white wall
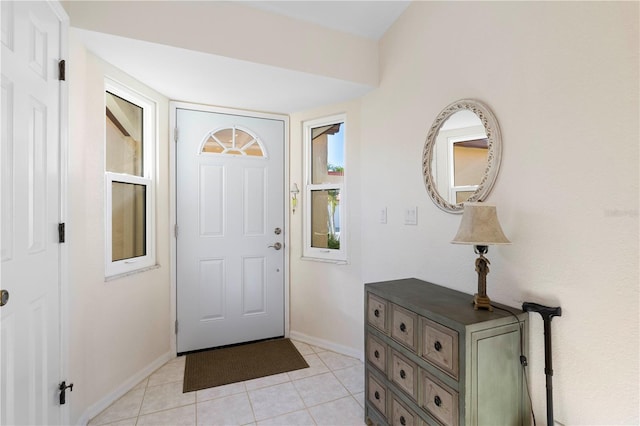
x,y
119,328
327,298
562,79
233,30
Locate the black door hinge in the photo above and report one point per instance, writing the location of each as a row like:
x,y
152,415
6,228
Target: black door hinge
x,y
61,233
62,70
63,389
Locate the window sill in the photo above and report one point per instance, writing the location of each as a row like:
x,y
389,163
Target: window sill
x,y
126,274
318,259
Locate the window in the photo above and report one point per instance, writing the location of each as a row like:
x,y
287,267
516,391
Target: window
x,y
129,160
233,141
324,230
469,158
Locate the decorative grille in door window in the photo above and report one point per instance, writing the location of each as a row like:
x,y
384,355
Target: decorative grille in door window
x,y
233,141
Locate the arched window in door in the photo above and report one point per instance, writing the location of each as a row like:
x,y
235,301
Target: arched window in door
x,y
233,141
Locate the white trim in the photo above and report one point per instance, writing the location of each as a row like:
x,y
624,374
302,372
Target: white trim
x,y
172,227
125,387
326,344
173,107
63,166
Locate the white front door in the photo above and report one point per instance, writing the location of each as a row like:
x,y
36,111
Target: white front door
x,y
230,217
30,321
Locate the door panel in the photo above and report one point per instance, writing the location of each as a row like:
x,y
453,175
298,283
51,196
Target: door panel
x,y
211,289
211,200
229,201
30,321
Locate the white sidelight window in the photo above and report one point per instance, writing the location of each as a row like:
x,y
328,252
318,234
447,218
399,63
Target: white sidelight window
x,y
325,230
130,139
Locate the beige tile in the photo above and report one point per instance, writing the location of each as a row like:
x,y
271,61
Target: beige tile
x,y
275,401
319,389
220,391
266,381
337,361
125,422
163,397
298,418
345,412
178,360
142,384
352,378
170,372
230,410
316,366
317,349
124,408
303,348
181,416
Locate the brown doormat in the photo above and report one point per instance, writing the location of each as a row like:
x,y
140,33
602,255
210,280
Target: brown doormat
x,y
217,367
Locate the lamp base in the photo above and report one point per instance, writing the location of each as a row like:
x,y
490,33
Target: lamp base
x,y
482,302
480,299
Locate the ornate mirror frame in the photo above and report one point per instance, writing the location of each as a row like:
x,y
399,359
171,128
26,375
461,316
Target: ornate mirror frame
x,y
493,158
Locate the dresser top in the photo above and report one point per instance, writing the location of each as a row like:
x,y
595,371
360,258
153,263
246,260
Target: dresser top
x,y
418,295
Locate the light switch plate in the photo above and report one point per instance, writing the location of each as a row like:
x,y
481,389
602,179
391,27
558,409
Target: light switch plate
x,y
411,216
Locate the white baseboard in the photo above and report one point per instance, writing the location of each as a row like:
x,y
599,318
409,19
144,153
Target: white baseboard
x,y
326,344
125,387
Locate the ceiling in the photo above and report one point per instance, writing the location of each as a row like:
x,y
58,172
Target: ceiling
x,y
369,19
223,81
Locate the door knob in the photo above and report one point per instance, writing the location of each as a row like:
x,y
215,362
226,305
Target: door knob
x,y
276,246
4,297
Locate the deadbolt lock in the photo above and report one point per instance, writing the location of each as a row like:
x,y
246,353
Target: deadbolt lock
x,y
277,231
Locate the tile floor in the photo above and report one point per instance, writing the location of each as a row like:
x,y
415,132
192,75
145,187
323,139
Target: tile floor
x,y
330,392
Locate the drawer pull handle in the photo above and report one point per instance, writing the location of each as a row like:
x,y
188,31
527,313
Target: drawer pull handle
x,y
437,401
437,346
377,395
403,422
403,327
376,354
403,375
376,313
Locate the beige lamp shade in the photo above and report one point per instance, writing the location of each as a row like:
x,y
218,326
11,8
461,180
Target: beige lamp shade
x,y
479,226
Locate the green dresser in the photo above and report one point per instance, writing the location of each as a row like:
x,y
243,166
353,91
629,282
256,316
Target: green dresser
x,y
431,359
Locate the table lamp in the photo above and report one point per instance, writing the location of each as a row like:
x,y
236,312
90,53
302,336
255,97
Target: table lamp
x,y
480,227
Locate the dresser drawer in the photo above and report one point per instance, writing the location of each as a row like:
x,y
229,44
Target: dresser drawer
x,y
404,324
377,313
402,416
439,400
404,373
440,346
377,395
377,353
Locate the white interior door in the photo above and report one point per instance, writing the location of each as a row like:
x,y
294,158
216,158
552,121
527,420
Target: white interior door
x,y
30,321
230,217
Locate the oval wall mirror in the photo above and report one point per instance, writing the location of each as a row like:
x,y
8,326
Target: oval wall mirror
x,y
461,155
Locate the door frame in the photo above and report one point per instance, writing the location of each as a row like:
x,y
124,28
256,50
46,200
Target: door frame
x,y
63,182
173,107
